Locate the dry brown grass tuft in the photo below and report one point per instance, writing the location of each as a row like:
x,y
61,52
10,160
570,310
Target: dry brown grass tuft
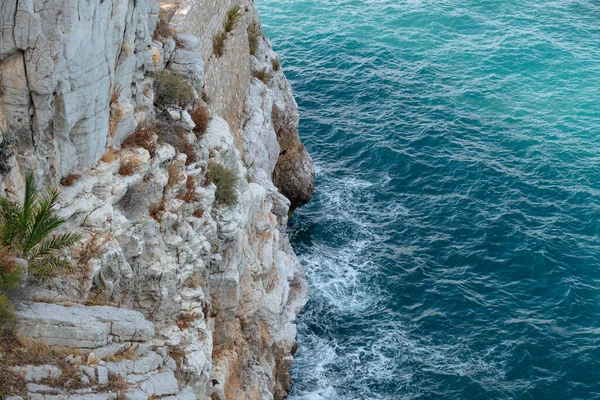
x,y
125,354
127,167
219,43
19,350
262,75
116,383
116,93
186,319
70,179
190,194
196,281
162,30
188,149
109,156
175,175
199,212
156,210
92,249
201,117
145,136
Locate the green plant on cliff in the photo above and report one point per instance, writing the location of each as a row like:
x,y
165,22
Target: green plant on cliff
x,y
219,43
253,37
276,64
172,90
233,16
226,181
26,233
26,230
262,75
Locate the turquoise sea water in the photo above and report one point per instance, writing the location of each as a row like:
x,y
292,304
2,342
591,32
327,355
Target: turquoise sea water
x,y
452,246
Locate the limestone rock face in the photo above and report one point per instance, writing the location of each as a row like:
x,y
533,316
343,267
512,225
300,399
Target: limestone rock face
x,y
81,327
174,294
61,66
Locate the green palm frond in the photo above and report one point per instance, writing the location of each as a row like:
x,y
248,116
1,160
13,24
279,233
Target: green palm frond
x,y
55,243
49,266
26,229
29,199
10,219
42,221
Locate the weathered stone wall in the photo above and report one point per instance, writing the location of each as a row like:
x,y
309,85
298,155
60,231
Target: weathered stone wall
x,y
228,76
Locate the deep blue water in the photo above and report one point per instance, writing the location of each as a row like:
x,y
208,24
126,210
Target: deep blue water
x,y
452,246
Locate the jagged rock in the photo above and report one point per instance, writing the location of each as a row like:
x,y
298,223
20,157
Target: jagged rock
x,y
185,394
102,375
148,363
120,368
35,388
79,326
37,373
160,384
89,371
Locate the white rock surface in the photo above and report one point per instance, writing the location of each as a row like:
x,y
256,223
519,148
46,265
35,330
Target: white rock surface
x,y
79,326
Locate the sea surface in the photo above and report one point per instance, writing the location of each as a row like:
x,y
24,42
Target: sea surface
x,y
453,242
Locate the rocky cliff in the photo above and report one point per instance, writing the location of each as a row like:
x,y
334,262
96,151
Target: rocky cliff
x,y
177,291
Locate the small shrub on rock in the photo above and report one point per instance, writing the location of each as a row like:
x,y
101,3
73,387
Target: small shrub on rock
x,y
163,31
233,16
219,43
188,149
199,212
175,175
172,90
253,37
127,167
109,156
276,64
190,194
145,137
226,182
201,117
168,130
262,75
70,179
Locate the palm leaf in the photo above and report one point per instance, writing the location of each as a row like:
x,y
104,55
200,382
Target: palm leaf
x,y
42,222
49,265
57,242
26,228
29,199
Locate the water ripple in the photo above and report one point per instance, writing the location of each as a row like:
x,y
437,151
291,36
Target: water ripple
x,y
452,243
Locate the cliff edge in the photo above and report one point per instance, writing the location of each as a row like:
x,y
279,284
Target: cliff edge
x,y
171,132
